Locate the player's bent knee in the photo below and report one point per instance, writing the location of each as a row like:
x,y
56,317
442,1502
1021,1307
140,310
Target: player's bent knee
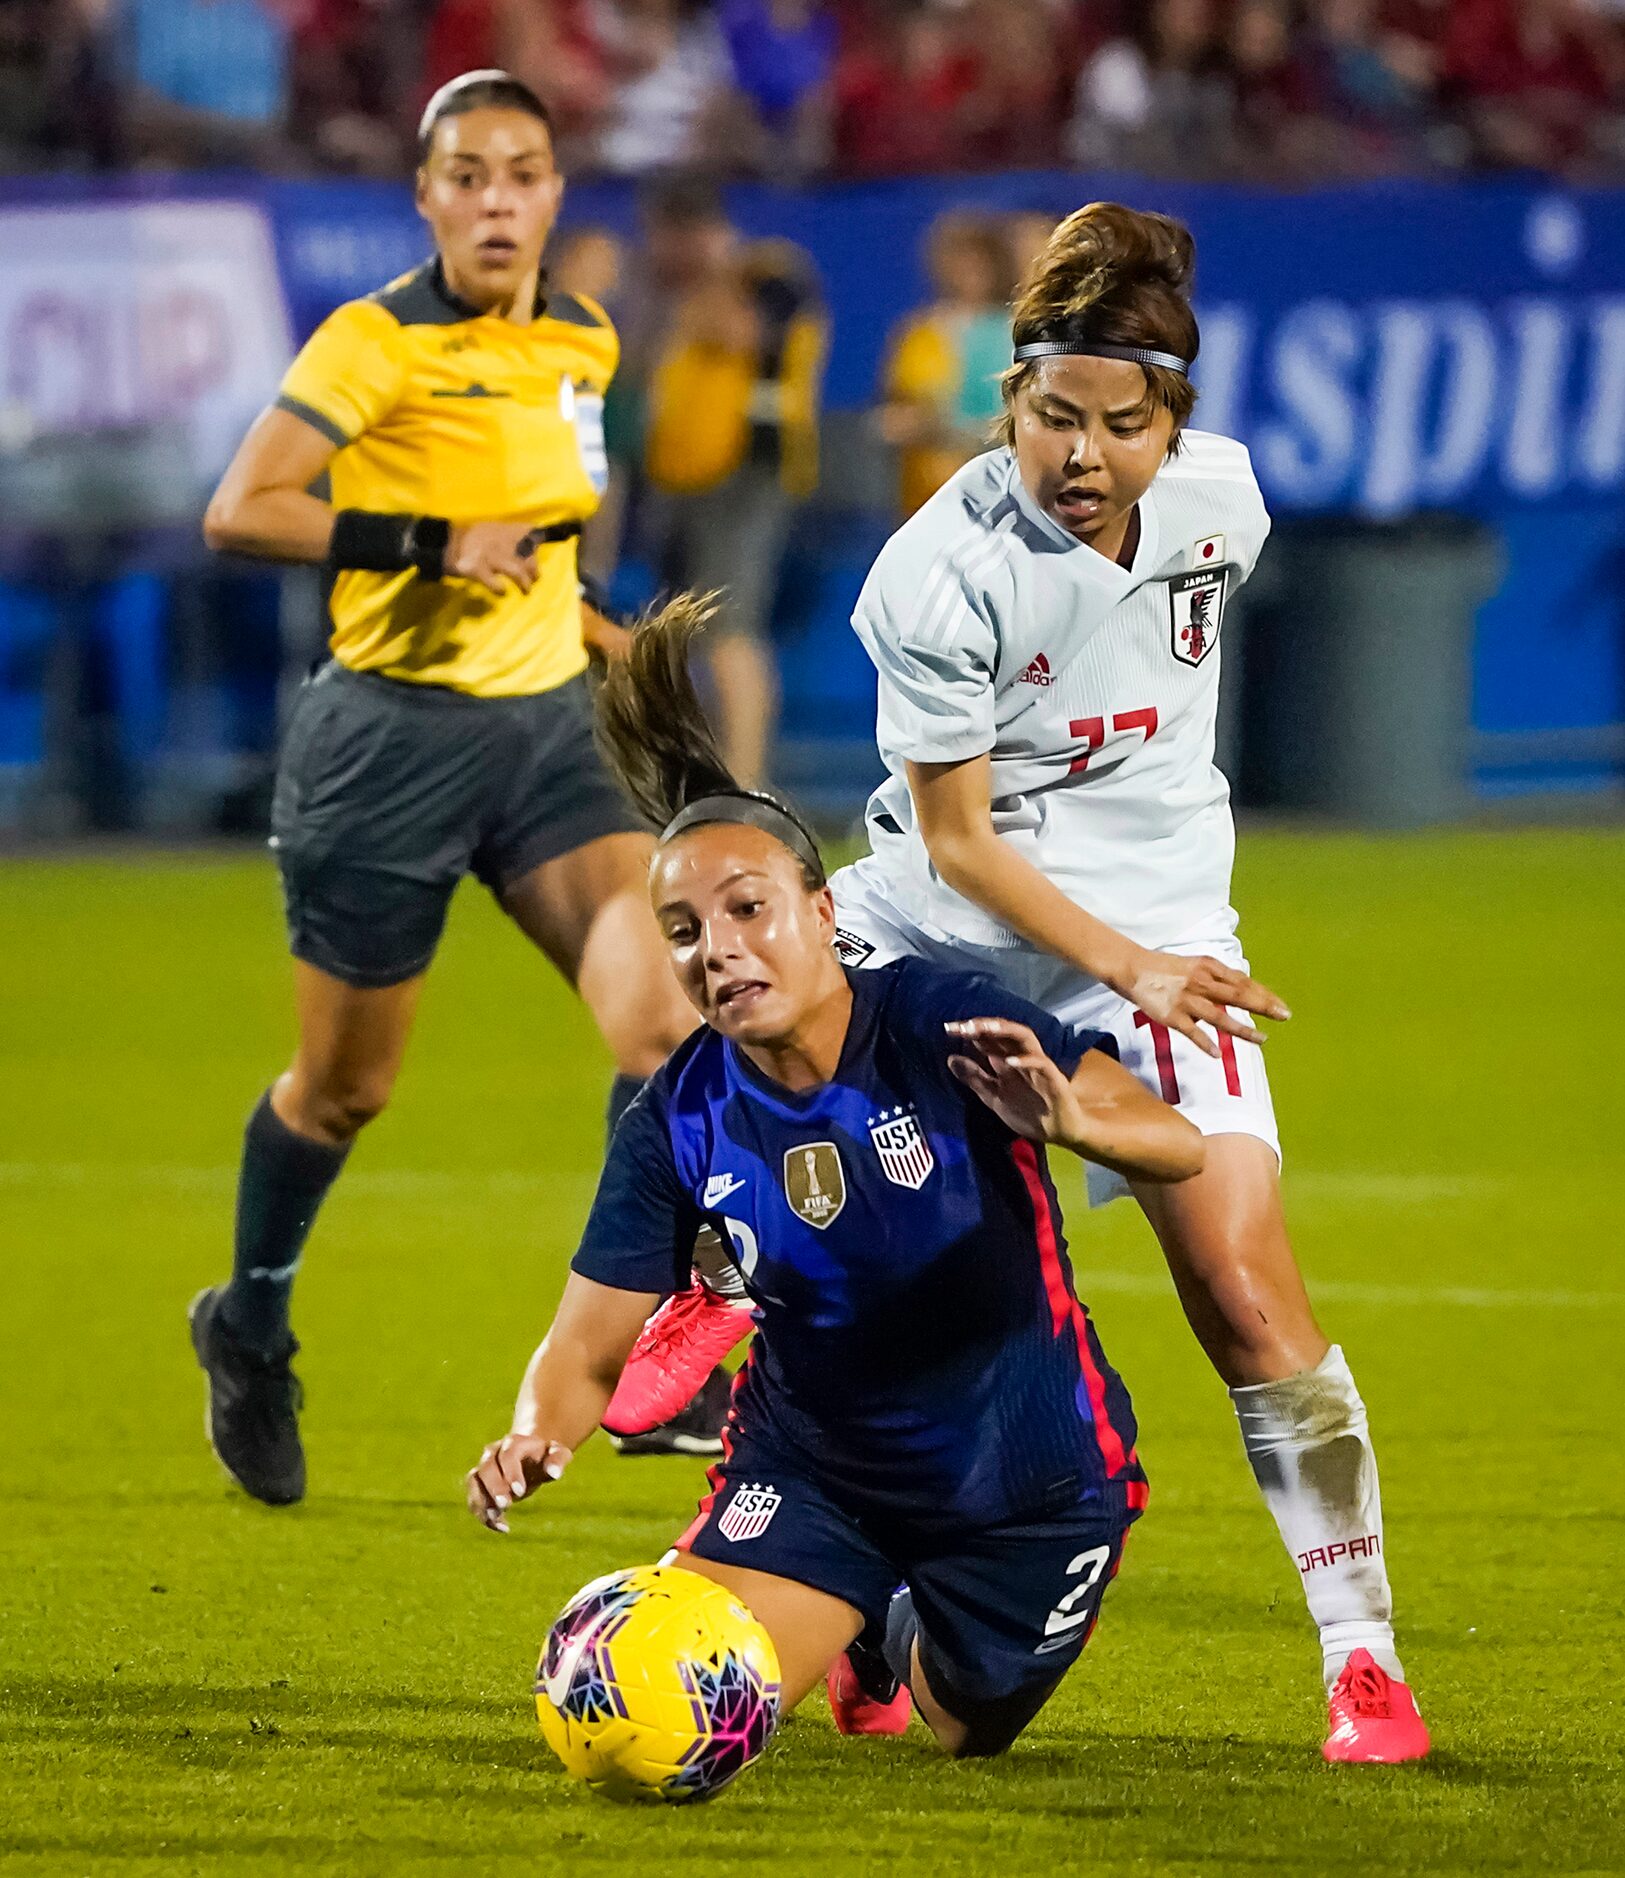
x,y
975,1746
983,1737
340,1112
985,1725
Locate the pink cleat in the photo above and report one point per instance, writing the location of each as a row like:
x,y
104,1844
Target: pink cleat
x,y
676,1350
857,1711
1373,1718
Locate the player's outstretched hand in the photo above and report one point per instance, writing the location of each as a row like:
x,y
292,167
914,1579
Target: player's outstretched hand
x,y
491,553
1005,1064
507,1471
1186,993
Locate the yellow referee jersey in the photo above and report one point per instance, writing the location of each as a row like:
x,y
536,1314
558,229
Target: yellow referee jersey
x,y
439,409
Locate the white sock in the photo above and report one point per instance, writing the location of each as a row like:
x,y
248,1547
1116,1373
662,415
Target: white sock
x,y
1311,1455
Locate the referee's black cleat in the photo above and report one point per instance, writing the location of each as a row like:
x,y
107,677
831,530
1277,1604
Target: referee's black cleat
x,y
254,1403
695,1430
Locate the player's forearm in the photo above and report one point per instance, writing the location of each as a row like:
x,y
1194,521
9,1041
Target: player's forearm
x,y
269,524
989,872
567,1387
1141,1140
573,1374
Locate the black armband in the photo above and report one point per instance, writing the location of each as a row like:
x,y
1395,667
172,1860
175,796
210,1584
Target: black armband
x,y
389,544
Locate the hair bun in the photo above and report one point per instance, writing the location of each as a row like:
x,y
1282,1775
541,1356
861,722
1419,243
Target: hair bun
x,y
1116,273
1130,247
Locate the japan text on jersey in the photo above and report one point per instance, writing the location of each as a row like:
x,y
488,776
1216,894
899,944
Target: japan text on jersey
x,y
1092,688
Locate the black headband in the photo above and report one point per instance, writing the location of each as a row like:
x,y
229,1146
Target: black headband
x,y
1093,349
752,811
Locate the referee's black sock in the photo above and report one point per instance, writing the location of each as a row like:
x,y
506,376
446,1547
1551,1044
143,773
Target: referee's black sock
x,y
621,1092
284,1179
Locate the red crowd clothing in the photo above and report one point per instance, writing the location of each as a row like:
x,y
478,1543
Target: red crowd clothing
x,y
1493,51
890,121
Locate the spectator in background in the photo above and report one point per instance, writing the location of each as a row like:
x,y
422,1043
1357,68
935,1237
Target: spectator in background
x,y
1277,130
209,82
554,46
908,99
686,240
941,376
1534,81
58,104
1380,98
355,70
1154,97
1027,53
1026,235
731,446
591,262
667,104
588,260
783,58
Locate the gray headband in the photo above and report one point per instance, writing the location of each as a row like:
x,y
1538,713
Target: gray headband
x,y
1092,349
752,811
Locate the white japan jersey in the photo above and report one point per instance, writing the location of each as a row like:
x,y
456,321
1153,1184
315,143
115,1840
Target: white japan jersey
x,y
1093,687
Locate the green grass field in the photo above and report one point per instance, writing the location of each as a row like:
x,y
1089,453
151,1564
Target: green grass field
x,y
191,1682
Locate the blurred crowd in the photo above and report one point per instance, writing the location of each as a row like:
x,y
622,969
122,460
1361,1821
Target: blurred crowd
x,y
713,423
1268,90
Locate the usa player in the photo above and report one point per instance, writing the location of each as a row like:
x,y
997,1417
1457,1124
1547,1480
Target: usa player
x,y
926,1402
1047,634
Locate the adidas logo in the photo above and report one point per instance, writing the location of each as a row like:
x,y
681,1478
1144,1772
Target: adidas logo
x,y
1038,673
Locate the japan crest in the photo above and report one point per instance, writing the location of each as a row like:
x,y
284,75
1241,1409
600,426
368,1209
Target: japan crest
x,y
1197,600
905,1154
749,1512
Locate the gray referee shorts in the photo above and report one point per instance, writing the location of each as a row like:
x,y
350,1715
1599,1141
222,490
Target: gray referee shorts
x,y
388,793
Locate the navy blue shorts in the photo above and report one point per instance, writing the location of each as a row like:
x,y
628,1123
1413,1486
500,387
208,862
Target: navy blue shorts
x,y
1004,1610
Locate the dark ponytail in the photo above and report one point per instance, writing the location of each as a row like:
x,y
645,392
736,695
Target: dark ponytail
x,y
655,736
651,726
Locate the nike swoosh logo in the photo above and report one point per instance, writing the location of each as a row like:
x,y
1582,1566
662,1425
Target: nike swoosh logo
x,y
557,1686
719,1187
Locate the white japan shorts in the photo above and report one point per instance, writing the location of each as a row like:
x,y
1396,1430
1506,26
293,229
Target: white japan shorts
x,y
1224,1095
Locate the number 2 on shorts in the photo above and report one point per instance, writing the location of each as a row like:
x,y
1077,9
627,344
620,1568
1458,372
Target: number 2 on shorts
x,y
1066,1616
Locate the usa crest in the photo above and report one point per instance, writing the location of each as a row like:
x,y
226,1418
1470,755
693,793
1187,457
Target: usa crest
x,y
815,1182
749,1512
905,1154
1197,600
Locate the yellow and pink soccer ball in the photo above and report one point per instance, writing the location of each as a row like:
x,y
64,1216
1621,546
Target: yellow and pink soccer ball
x,y
656,1684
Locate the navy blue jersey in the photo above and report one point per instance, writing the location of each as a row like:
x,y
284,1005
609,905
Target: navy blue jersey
x,y
921,1346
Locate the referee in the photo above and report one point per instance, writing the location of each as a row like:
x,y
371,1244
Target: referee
x,y
457,415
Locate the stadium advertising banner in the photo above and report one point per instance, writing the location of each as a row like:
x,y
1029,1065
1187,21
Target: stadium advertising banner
x,y
1490,368
133,316
1381,349
1384,350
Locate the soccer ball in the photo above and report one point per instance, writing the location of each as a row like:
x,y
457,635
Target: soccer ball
x,y
657,1684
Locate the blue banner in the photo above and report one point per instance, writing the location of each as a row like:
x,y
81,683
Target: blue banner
x,y
1380,349
1383,350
